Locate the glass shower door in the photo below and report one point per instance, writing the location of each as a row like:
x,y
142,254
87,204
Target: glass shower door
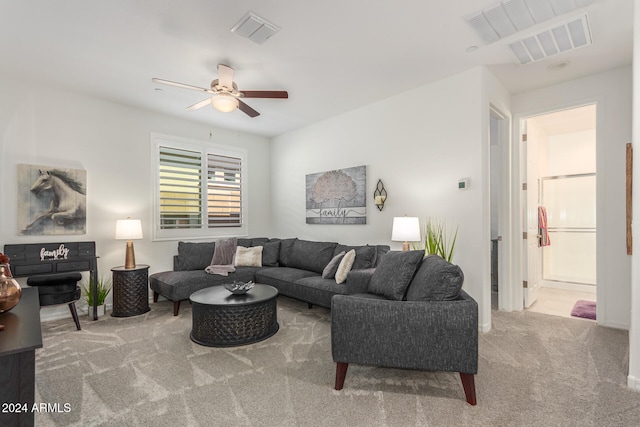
x,y
570,202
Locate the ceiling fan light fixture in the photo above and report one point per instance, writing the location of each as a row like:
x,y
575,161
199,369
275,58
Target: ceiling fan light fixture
x,y
224,103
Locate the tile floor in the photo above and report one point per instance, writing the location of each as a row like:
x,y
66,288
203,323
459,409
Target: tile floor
x,y
559,302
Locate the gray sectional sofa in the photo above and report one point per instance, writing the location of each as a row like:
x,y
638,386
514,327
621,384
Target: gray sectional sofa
x,y
293,266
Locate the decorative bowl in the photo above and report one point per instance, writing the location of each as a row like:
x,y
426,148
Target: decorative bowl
x,y
239,288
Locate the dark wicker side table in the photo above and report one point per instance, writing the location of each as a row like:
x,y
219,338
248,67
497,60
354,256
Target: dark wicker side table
x,y
221,319
130,291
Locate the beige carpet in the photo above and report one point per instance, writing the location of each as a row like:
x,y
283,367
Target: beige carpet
x,y
534,370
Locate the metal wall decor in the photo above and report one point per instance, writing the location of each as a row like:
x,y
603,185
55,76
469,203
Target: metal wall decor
x,y
380,195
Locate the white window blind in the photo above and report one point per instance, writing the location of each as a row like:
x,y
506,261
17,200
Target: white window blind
x,y
180,188
224,187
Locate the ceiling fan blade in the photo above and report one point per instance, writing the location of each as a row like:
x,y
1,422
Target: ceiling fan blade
x,y
265,94
247,110
181,85
225,76
198,105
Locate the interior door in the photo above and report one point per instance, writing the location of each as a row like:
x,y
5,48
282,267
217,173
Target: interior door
x,y
533,274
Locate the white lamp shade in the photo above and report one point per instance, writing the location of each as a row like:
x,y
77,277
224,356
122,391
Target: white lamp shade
x,y
224,103
405,229
128,229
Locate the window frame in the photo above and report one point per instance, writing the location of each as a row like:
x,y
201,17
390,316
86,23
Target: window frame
x,y
204,148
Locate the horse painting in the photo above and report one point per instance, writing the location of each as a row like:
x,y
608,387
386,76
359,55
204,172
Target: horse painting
x,y
62,204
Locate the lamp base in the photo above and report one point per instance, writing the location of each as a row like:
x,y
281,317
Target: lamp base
x,y
130,257
406,247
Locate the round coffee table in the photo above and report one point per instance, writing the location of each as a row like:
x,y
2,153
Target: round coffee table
x,y
221,319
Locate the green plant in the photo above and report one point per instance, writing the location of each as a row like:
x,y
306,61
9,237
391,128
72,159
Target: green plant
x,y
102,290
437,241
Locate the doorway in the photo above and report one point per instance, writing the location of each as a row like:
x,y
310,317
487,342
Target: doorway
x,y
559,212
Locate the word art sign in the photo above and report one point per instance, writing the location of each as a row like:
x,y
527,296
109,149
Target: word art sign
x,y
54,254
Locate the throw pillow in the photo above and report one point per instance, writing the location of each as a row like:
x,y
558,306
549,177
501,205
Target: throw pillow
x,y
436,280
329,271
394,273
345,266
248,257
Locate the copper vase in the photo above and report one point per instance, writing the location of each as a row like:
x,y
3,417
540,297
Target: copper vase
x,y
10,291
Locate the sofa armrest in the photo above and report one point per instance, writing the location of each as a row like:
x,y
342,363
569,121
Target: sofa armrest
x,y
425,335
358,280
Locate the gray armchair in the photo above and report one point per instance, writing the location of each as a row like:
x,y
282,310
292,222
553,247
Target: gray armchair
x,y
368,329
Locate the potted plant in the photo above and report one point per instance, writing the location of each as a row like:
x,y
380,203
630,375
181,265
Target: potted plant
x,y
437,241
103,287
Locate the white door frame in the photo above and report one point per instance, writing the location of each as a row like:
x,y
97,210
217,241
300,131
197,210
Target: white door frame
x,y
505,222
517,296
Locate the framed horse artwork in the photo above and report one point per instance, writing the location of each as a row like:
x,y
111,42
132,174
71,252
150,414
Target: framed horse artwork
x,y
51,200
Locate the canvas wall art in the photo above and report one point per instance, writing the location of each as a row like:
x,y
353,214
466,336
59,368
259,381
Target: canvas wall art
x,y
51,200
337,197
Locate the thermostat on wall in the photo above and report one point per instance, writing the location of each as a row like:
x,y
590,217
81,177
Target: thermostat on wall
x,y
464,183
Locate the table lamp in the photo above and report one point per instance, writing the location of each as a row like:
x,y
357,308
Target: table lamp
x,y
405,229
129,229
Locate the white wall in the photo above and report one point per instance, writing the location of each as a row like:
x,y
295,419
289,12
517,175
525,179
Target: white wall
x,y
633,379
612,92
419,143
112,143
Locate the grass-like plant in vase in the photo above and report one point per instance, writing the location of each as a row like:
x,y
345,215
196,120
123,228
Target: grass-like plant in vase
x,y
437,240
102,290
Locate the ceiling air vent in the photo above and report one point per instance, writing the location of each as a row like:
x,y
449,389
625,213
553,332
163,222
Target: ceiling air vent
x,y
511,16
255,28
561,38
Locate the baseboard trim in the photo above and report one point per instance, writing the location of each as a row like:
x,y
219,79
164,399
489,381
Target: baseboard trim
x,y
633,383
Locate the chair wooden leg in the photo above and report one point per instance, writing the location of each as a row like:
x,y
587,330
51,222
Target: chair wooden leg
x,y
74,314
176,307
155,296
341,373
469,385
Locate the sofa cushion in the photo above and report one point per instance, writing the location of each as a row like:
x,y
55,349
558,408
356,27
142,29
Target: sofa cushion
x,y
317,290
345,266
286,247
436,280
270,253
283,278
394,273
312,256
365,255
179,285
329,271
248,257
194,256
380,251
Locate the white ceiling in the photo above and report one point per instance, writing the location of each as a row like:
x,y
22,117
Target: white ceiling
x,y
332,56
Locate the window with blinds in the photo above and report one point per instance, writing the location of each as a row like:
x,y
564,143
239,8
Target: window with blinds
x,y
224,191
199,187
180,188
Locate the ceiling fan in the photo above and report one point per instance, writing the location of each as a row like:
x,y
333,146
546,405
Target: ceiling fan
x,y
225,95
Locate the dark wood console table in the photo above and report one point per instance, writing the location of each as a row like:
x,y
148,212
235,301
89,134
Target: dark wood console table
x,y
18,342
47,258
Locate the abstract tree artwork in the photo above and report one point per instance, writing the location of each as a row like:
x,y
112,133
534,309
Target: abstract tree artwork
x,y
337,196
